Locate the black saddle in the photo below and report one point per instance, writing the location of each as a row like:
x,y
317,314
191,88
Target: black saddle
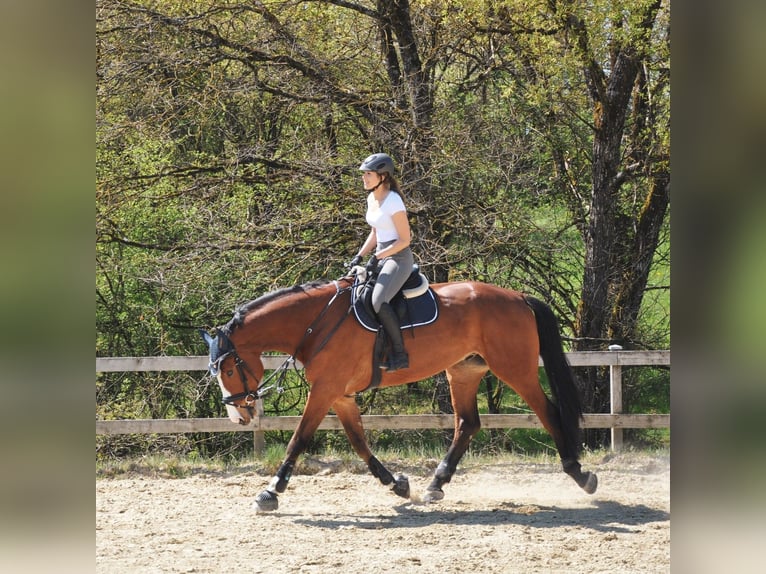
x,y
415,303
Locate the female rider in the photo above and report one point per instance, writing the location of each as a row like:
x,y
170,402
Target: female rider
x,y
390,238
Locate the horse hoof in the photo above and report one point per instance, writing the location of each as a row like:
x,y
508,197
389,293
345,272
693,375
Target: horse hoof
x,y
401,486
266,502
591,483
433,495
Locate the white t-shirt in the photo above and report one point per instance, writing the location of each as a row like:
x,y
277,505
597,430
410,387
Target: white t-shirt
x,y
381,218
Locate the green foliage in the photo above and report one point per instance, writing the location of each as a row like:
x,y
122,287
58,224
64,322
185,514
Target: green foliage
x,y
227,143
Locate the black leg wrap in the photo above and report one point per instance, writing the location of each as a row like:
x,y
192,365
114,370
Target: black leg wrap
x,y
442,476
444,473
379,471
571,467
283,475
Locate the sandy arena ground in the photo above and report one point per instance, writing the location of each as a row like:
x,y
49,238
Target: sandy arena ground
x,y
509,516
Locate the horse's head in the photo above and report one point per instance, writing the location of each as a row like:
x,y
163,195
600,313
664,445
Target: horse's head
x,y
237,378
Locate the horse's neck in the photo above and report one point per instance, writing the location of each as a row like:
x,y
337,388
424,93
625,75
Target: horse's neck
x,y
281,325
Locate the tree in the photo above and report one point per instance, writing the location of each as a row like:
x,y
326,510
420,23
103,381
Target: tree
x,y
630,173
532,141
594,81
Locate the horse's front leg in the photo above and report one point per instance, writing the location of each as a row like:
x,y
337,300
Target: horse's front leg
x,y
349,416
315,410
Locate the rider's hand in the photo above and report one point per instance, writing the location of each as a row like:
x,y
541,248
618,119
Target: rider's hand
x,y
372,264
354,262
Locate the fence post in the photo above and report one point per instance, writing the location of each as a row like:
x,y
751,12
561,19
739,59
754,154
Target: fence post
x,y
615,398
259,437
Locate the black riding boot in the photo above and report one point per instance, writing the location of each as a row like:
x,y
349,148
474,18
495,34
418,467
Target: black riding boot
x,y
398,358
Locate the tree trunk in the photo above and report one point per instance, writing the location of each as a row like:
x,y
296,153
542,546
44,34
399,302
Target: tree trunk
x,y
619,246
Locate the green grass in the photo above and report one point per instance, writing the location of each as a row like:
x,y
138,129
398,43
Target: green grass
x,y
159,465
415,461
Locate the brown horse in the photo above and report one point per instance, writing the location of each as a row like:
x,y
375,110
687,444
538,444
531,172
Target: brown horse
x,y
480,327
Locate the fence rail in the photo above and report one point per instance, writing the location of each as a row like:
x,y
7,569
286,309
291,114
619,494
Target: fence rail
x,y
615,420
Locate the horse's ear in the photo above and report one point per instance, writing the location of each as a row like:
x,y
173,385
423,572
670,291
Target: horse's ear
x,y
206,336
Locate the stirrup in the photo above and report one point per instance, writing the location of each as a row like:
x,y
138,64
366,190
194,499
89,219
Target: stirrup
x,y
397,362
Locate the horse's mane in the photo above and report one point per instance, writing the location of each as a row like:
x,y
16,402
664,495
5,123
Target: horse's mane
x,y
246,308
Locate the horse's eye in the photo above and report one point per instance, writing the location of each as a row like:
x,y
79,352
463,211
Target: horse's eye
x,y
229,373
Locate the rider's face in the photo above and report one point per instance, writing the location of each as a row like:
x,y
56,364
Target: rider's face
x,y
370,179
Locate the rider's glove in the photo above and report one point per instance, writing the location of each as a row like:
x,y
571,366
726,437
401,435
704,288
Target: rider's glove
x,y
354,262
372,264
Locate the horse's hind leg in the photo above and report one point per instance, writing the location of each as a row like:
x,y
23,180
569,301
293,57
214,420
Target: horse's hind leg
x,y
528,388
464,379
348,413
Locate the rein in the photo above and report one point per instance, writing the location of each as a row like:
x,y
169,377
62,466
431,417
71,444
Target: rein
x,y
262,388
321,315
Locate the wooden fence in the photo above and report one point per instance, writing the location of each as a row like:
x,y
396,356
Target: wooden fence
x,y
614,420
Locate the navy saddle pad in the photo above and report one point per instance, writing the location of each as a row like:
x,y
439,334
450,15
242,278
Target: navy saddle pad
x,y
413,310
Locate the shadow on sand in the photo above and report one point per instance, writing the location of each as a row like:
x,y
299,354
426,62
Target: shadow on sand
x,y
602,516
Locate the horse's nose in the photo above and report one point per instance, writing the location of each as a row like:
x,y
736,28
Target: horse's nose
x,y
235,416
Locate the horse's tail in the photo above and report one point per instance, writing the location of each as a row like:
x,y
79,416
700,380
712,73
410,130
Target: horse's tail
x,y
560,376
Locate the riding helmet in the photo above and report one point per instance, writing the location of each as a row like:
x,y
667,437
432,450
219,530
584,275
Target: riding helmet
x,y
379,162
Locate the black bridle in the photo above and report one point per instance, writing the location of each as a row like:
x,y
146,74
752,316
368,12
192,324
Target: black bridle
x,y
249,396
